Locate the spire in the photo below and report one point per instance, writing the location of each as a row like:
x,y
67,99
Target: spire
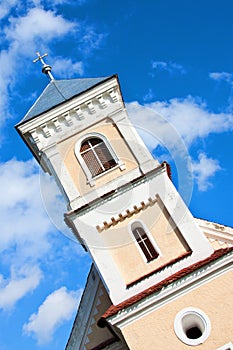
x,y
46,69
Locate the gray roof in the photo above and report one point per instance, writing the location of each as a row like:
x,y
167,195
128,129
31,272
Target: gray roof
x,y
59,91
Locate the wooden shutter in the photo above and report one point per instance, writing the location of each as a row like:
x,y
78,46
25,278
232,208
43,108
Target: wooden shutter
x,y
96,156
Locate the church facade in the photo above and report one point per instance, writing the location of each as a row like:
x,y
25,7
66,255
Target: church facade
x,y
160,278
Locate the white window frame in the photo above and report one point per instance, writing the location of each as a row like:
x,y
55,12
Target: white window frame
x,y
149,235
198,316
90,177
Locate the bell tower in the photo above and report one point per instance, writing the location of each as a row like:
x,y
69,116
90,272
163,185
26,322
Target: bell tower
x,y
121,203
158,275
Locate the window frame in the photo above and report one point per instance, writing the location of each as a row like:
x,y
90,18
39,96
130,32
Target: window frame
x,y
141,224
198,316
90,178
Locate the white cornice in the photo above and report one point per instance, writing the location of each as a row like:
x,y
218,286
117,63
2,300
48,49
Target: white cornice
x,y
216,231
98,93
175,290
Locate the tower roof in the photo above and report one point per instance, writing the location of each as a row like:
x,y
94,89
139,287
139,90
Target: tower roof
x,y
59,91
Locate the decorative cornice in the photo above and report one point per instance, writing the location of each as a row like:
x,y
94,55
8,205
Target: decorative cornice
x,y
136,208
117,192
114,309
160,268
128,213
72,117
216,231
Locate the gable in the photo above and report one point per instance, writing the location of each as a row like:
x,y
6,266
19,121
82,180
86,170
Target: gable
x,y
218,235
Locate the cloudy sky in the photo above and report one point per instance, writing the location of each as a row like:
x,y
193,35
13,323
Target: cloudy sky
x,y
174,61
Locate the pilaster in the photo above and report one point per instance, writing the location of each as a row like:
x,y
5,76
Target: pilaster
x,y
61,175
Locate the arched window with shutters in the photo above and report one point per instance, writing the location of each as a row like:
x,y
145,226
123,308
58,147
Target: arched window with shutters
x,y
96,156
145,242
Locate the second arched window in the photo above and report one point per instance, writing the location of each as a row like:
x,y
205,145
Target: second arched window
x,y
144,242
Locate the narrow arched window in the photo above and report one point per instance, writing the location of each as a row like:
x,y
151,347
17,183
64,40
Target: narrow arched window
x,y
97,156
144,242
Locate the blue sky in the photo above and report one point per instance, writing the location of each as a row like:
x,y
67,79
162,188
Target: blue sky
x,y
174,61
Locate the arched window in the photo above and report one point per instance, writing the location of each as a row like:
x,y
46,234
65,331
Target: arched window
x,y
144,242
97,156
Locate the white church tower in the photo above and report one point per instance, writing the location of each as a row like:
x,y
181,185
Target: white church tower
x,y
148,251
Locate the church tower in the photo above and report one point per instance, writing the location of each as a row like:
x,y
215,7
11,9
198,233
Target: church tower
x,y
147,249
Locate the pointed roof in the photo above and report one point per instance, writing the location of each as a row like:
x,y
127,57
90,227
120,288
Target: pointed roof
x,y
59,91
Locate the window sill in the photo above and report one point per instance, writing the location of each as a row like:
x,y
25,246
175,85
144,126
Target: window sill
x,y
91,181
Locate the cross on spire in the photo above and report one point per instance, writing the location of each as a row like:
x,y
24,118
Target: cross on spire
x,y
46,69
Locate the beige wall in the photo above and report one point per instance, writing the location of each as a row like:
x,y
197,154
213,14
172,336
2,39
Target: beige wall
x,y
126,253
155,331
66,149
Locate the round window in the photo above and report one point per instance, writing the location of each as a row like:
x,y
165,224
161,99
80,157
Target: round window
x,y
192,326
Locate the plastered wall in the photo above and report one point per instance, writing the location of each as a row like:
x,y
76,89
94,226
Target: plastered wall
x,y
66,149
125,251
156,330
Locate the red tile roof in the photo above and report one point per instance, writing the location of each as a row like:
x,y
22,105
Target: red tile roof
x,y
171,262
114,309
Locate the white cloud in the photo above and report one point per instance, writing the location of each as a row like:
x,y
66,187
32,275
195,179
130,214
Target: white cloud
x,y
170,67
176,125
148,96
37,24
66,68
188,118
27,231
91,40
22,36
6,6
21,210
21,282
222,76
203,169
30,28
57,308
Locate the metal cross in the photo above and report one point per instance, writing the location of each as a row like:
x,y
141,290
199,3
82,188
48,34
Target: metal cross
x,y
46,69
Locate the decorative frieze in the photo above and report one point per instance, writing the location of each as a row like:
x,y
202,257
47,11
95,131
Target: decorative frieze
x,y
102,101
35,137
68,119
74,116
126,214
57,125
90,107
114,95
46,131
79,113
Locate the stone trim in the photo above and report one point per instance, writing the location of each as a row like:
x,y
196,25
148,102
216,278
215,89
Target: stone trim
x,y
128,213
116,192
228,346
73,116
171,262
114,309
